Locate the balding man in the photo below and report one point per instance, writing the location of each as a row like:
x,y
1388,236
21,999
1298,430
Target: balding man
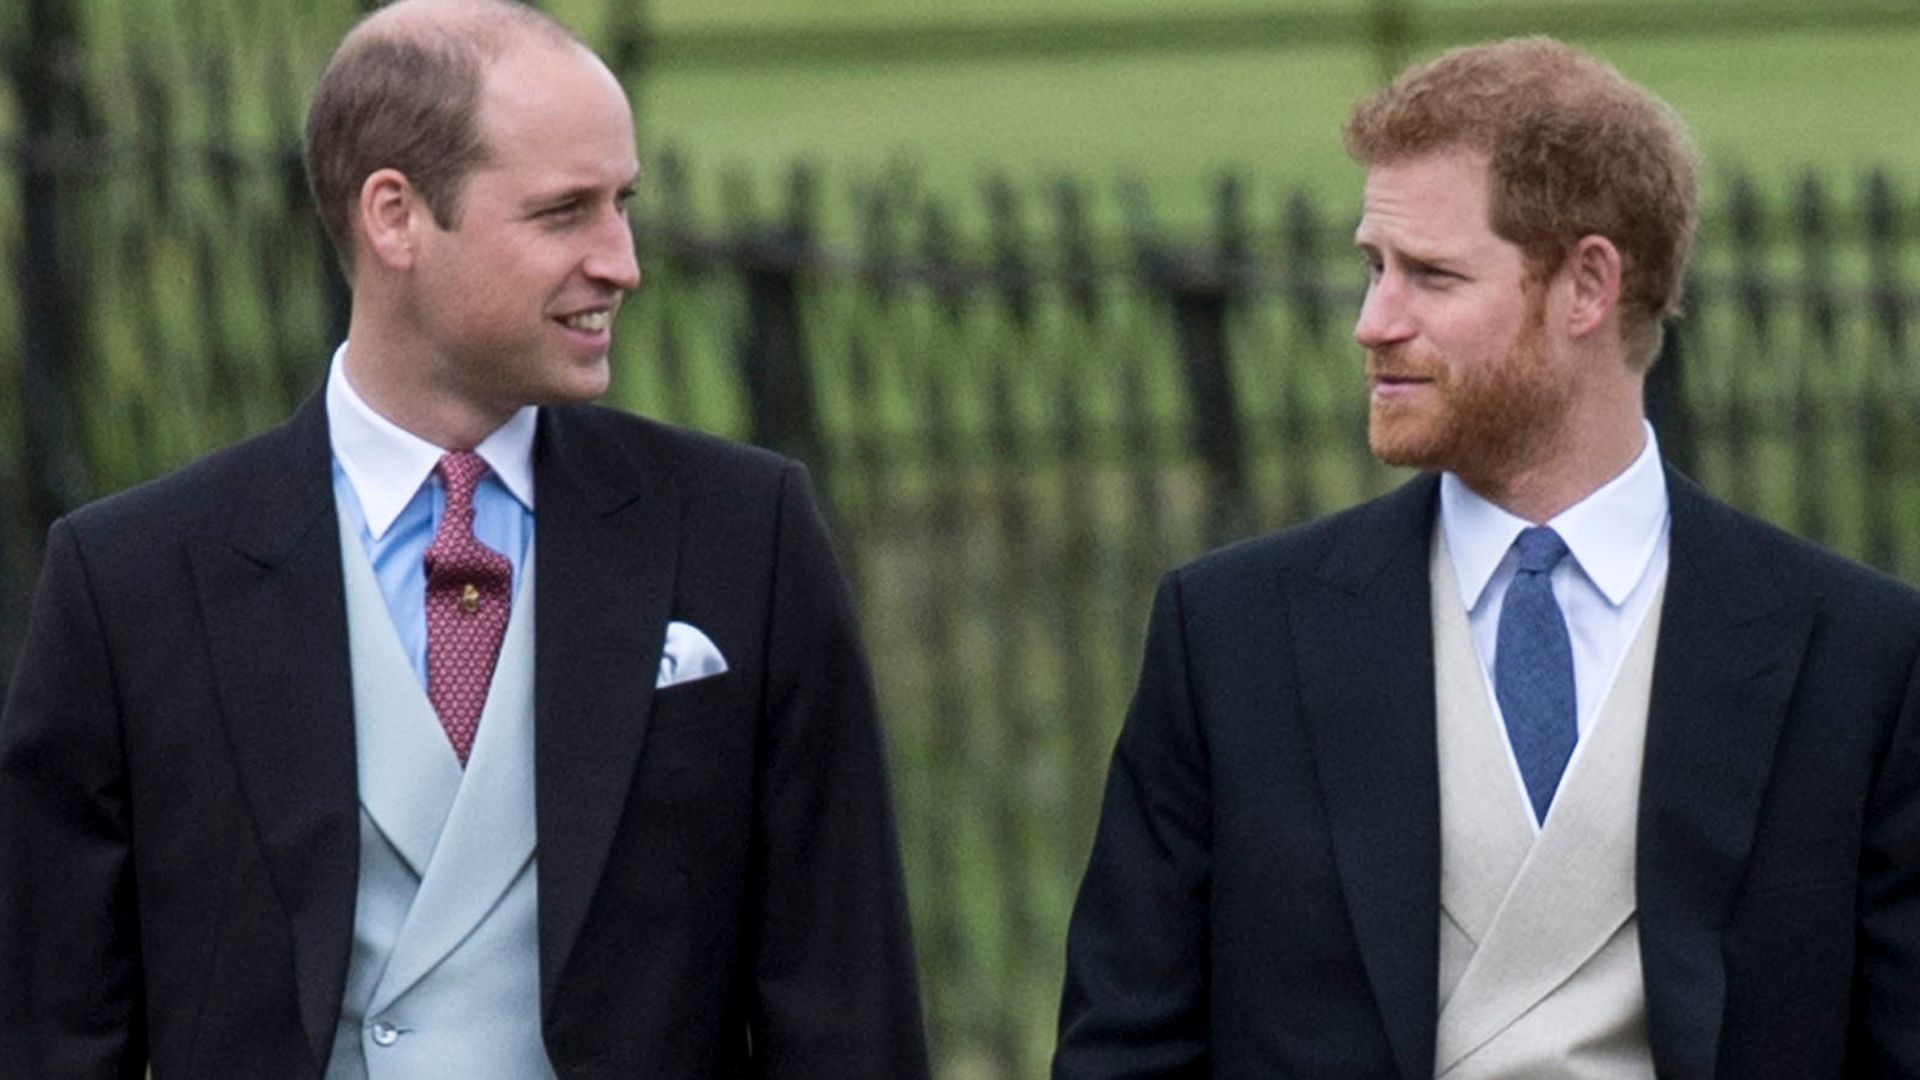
x,y
456,727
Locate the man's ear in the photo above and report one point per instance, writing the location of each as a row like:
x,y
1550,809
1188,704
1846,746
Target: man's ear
x,y
389,215
1593,268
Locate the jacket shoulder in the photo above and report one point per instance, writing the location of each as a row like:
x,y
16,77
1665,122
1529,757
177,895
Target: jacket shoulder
x,y
207,492
1363,533
694,459
1767,557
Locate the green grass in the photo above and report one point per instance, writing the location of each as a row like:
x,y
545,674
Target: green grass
x,y
691,14
1774,105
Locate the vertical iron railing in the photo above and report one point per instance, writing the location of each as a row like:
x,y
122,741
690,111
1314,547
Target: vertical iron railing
x,y
1017,421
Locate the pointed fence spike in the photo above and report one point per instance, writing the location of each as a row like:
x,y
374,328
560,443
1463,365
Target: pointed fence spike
x,y
1748,219
1886,244
1814,219
1303,269
880,243
1230,223
938,244
803,199
1075,237
1010,250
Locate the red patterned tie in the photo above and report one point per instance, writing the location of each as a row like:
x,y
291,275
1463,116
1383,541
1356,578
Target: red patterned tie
x,y
469,590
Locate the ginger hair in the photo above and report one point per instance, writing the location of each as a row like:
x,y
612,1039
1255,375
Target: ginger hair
x,y
1573,149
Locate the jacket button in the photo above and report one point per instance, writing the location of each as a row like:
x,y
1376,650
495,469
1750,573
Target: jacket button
x,y
385,1034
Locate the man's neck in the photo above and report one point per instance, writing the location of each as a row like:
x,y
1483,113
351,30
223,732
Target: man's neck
x,y
400,388
1575,467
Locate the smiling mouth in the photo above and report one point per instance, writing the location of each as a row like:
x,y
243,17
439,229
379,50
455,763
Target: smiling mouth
x,y
589,322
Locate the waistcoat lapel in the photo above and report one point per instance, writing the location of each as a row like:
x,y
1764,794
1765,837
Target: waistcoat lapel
x,y
465,835
408,773
1484,834
488,839
1575,887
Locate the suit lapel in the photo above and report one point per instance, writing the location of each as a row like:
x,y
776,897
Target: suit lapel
x,y
1732,636
607,543
271,597
1365,640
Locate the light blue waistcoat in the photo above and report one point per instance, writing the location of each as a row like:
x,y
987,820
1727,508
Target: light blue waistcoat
x,y
445,975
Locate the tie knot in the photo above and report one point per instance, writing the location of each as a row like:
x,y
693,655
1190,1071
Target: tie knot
x,y
460,471
1541,549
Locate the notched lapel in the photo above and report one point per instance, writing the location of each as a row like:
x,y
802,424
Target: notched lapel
x,y
608,542
271,597
1364,633
1732,637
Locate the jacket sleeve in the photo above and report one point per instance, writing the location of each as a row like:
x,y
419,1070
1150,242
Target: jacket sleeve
x,y
1135,1001
71,1003
1885,1038
836,993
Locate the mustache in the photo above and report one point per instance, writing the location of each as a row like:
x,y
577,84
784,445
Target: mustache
x,y
1393,362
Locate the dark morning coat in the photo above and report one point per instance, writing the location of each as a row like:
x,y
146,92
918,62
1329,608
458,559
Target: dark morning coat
x,y
719,887
1263,895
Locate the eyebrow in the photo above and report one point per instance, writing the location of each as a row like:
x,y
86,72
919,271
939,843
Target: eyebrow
x,y
1419,259
574,193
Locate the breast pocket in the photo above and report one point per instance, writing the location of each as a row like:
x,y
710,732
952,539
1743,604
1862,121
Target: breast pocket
x,y
700,742
694,795
697,695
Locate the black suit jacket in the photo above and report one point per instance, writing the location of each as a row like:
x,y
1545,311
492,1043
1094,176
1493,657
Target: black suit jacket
x,y
1263,894
719,885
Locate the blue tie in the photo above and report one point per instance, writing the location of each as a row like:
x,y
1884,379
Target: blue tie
x,y
1533,669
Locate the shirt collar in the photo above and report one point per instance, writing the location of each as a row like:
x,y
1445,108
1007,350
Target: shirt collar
x,y
386,464
1611,533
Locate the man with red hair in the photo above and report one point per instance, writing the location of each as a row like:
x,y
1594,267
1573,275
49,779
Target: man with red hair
x,y
1547,764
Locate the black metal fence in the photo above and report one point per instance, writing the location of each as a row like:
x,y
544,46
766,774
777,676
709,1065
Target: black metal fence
x,y
1020,413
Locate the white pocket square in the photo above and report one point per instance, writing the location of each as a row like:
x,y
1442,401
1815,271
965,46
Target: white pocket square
x,y
687,655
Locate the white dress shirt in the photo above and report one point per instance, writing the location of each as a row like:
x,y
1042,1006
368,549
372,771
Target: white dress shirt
x,y
1617,547
385,488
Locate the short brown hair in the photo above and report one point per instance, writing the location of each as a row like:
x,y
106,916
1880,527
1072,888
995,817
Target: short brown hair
x,y
403,92
1573,149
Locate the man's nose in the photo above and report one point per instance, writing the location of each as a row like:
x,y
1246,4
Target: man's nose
x,y
1383,319
613,260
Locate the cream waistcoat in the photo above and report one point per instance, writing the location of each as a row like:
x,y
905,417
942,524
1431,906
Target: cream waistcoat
x,y
1539,945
